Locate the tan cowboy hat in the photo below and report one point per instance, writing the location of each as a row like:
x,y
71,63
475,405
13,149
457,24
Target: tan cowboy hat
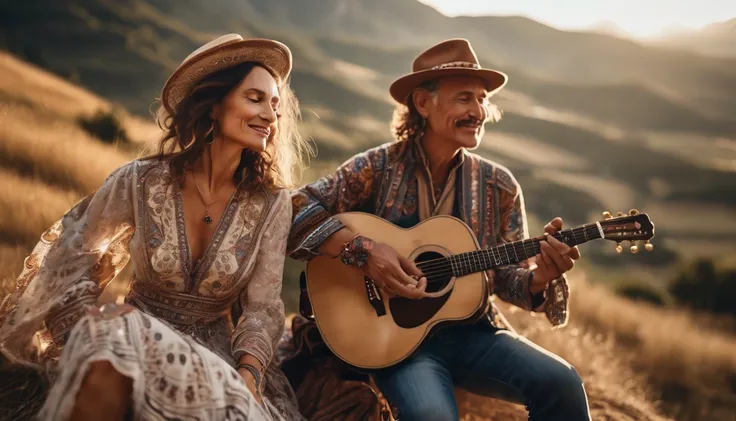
x,y
453,57
221,53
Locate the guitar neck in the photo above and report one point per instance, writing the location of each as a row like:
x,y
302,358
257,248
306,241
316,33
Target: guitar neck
x,y
517,251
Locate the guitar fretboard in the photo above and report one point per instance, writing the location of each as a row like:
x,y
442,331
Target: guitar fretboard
x,y
517,251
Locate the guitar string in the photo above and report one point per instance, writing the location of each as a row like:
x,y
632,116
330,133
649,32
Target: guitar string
x,y
442,268
430,267
524,243
441,261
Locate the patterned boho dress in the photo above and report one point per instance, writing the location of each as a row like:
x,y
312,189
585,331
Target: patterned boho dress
x,y
193,320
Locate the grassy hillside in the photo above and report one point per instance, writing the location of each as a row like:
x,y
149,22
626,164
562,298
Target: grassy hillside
x,y
633,139
634,367
591,123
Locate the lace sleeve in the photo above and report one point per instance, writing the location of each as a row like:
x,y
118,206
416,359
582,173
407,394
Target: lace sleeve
x,y
259,328
68,269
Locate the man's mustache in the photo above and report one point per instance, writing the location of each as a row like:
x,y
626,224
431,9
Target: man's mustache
x,y
469,122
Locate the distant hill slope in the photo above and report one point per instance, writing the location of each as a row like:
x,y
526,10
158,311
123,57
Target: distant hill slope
x,y
717,39
515,42
591,122
638,362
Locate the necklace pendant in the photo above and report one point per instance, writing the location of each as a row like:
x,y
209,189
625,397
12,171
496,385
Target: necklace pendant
x,y
208,219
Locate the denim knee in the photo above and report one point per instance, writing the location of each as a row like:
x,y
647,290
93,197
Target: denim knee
x,y
569,382
565,393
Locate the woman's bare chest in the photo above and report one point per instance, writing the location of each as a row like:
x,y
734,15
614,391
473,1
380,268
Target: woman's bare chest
x,y
203,219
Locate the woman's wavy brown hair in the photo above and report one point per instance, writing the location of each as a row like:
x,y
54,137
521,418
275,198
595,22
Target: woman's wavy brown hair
x,y
407,123
191,128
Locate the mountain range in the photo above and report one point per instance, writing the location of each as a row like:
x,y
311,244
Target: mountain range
x,y
716,39
592,122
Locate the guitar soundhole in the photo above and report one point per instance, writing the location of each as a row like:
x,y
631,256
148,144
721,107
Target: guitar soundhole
x,y
408,313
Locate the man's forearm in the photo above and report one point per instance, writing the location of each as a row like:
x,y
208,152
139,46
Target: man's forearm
x,y
332,246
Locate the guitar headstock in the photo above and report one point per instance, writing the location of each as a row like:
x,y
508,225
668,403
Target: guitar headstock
x,y
632,227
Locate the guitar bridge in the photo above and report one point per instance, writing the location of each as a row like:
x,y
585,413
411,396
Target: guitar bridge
x,y
374,296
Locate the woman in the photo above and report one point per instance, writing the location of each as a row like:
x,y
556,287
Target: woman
x,y
205,222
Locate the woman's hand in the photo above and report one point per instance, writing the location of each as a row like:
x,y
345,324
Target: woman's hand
x,y
250,383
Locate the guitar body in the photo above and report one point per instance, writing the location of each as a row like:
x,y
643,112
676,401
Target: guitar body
x,y
369,329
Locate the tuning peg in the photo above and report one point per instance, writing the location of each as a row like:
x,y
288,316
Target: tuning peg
x,y
620,214
607,215
634,248
633,212
648,246
619,248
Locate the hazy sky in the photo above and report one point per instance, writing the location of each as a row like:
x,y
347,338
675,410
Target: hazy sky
x,y
638,17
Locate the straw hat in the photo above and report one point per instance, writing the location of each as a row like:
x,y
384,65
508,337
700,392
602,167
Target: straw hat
x,y
454,57
221,53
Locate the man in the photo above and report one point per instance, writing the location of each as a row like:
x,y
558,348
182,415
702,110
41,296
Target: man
x,y
443,105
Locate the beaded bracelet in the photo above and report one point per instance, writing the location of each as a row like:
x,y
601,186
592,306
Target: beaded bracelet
x,y
356,251
254,371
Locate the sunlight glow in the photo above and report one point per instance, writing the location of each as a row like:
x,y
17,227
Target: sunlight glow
x,y
638,18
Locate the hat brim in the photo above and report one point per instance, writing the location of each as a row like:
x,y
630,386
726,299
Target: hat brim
x,y
273,55
403,86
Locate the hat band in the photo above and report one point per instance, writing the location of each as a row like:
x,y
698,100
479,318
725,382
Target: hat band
x,y
456,64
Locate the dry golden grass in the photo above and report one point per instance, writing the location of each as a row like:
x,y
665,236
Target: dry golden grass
x,y
630,355
22,83
29,207
632,358
54,149
47,162
11,263
25,82
693,367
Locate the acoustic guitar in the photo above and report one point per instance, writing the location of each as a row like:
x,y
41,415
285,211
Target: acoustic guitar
x,y
369,329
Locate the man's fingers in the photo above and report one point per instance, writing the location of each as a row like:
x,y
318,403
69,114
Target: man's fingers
x,y
529,263
396,287
389,284
558,245
420,290
401,276
537,262
563,248
553,225
409,268
562,263
546,249
422,285
574,253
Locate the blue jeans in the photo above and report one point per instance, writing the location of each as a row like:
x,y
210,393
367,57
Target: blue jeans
x,y
486,361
